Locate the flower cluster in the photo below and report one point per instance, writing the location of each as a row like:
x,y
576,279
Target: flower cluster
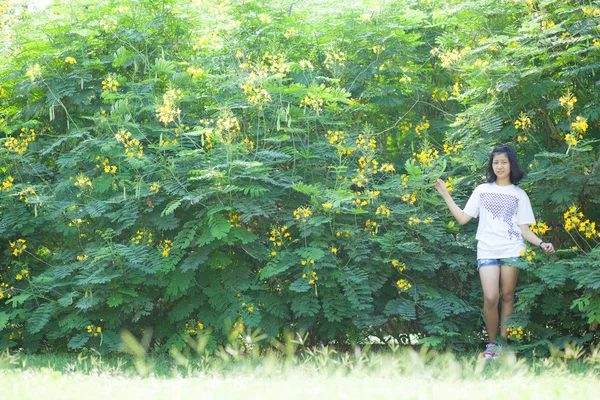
x,y
82,181
404,180
235,219
398,265
195,72
515,333
110,84
386,167
167,112
206,138
5,290
568,101
574,220
143,236
456,90
228,127
305,64
403,284
539,228
77,221
193,327
290,32
455,147
450,57
82,258
311,276
371,225
24,194
70,60
302,213
155,187
405,127
238,328
108,23
33,72
528,254
361,143
276,64
312,101
383,211
367,166
95,330
265,19
249,143
410,198
19,145
359,202
416,221
338,139
591,11
335,59
279,235
570,139
165,247
132,146
7,183
254,91
579,126
422,126
109,169
23,274
439,95
426,157
523,122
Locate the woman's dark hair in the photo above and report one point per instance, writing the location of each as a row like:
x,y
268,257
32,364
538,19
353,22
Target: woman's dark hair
x,y
515,172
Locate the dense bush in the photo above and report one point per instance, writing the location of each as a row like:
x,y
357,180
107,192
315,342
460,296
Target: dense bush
x,y
233,166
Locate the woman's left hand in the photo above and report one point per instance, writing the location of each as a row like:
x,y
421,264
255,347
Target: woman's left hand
x,y
547,247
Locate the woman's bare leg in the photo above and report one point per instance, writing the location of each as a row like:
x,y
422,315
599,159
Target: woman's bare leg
x,y
508,282
490,283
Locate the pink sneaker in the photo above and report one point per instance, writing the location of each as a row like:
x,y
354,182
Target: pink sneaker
x,y
492,351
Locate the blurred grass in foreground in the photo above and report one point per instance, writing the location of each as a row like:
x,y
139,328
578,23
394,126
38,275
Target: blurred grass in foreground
x,y
290,371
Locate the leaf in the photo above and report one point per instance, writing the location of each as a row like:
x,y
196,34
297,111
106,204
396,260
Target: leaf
x,y
300,285
171,207
193,262
402,307
78,341
114,300
4,318
40,317
219,226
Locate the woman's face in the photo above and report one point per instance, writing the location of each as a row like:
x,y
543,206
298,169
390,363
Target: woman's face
x,y
501,166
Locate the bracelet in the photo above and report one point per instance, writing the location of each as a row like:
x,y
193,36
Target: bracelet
x,y
541,243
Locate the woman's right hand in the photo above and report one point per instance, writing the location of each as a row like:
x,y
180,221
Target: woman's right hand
x,y
440,185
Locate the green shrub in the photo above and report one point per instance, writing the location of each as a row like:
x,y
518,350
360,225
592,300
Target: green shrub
x,y
176,167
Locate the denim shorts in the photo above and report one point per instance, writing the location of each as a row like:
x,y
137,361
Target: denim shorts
x,y
486,262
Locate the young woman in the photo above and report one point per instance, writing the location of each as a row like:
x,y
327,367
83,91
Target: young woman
x,y
505,214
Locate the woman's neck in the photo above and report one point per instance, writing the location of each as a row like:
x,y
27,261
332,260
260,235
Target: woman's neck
x,y
503,181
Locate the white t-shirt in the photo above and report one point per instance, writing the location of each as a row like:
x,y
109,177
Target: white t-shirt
x,y
501,209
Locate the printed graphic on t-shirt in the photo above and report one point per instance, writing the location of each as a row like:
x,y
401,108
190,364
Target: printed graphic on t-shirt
x,y
502,207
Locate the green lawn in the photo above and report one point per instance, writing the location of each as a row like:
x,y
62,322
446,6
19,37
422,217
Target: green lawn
x,y
311,375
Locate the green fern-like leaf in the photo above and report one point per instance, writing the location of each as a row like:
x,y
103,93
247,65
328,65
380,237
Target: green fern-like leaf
x,y
40,317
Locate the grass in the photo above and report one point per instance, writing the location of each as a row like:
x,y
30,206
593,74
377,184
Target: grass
x,y
285,372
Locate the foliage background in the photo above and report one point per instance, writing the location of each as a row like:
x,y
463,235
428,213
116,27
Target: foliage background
x,y
180,167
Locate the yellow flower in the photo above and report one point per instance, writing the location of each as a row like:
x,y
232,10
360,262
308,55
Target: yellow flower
x,y
70,60
273,253
334,250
